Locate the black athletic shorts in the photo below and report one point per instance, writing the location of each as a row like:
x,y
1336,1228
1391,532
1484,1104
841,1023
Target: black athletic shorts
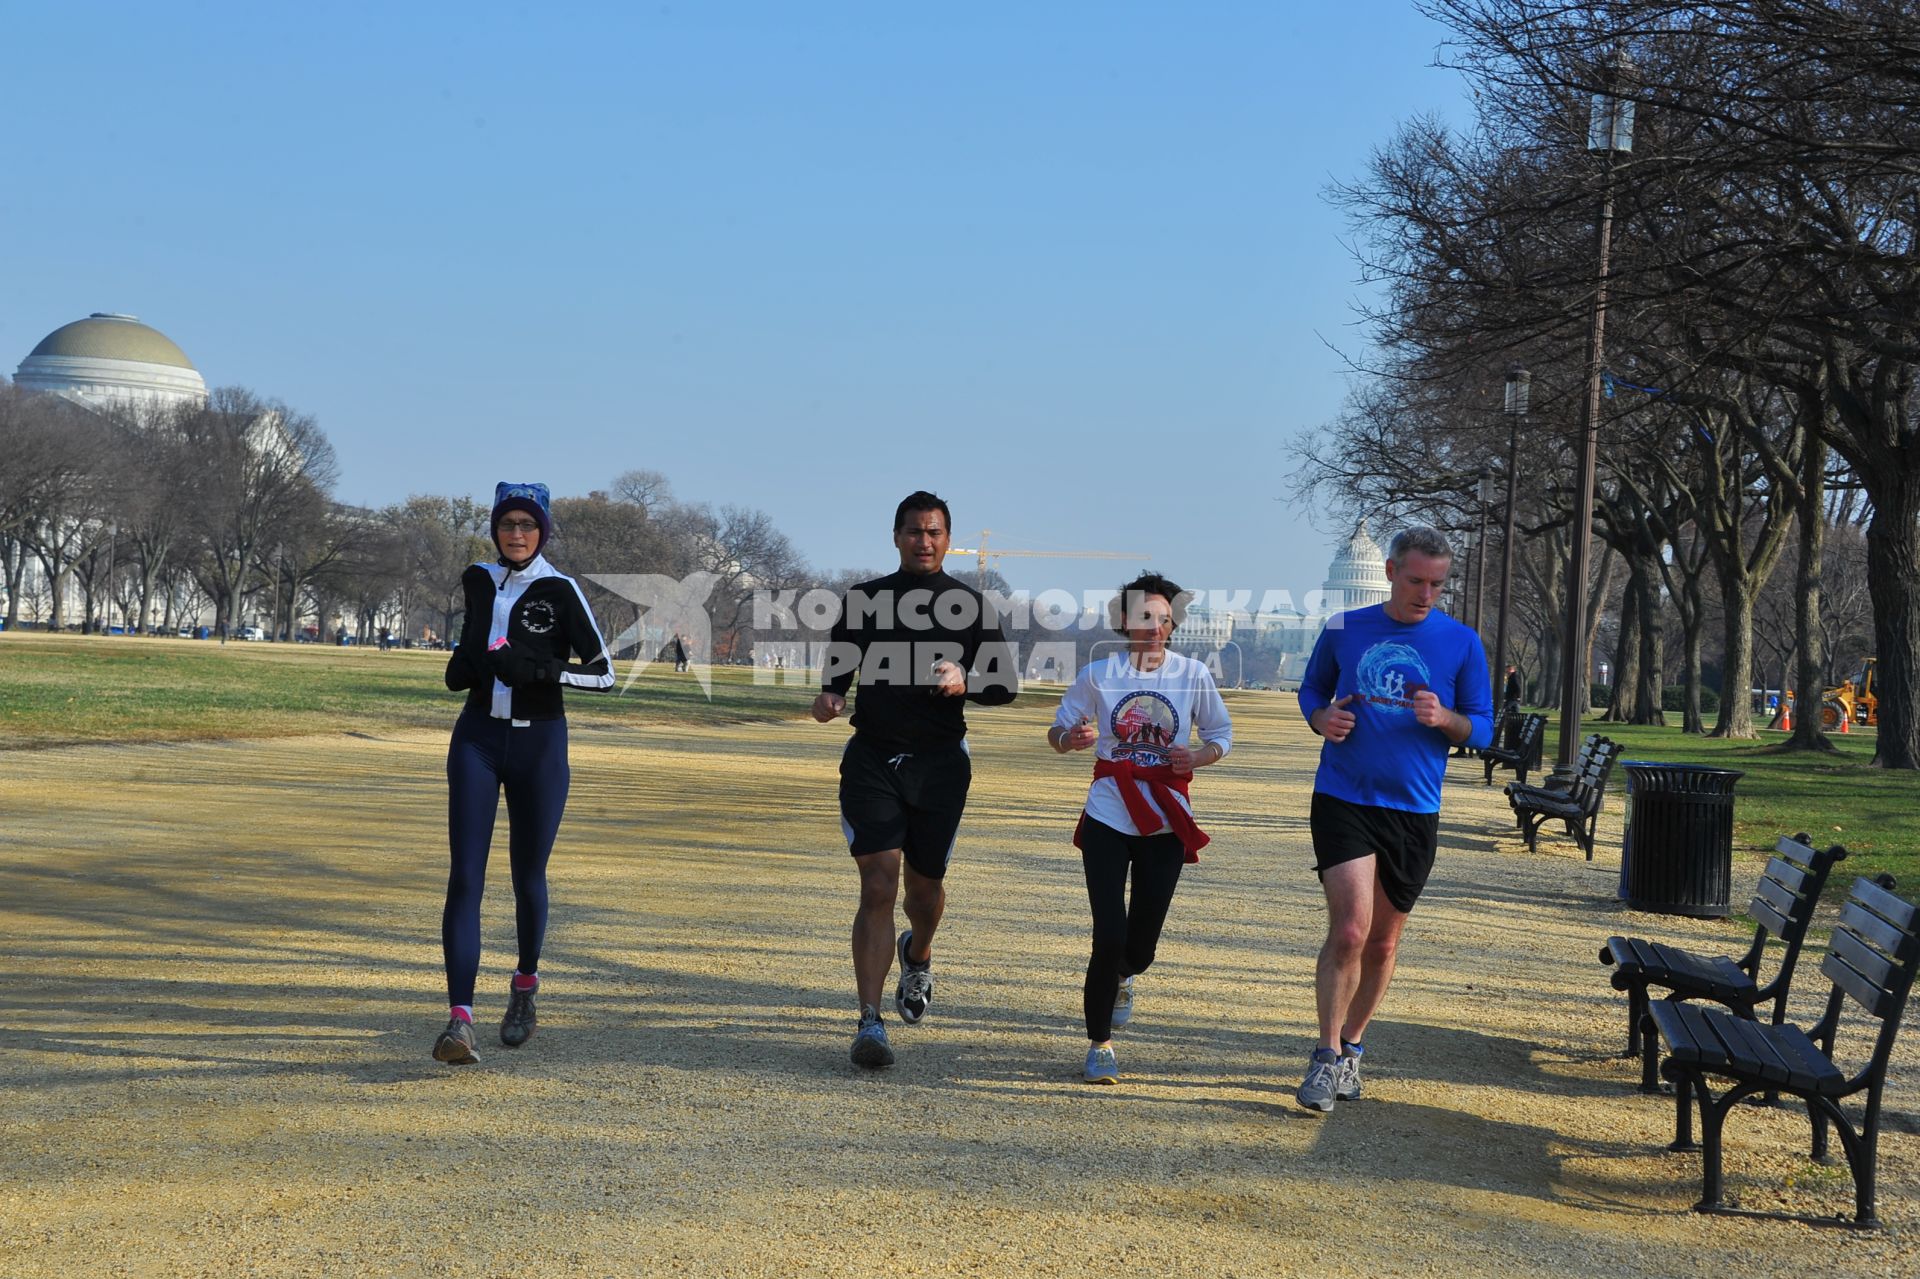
x,y
910,800
1402,842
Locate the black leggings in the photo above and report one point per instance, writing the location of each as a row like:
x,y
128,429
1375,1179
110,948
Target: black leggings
x,y
487,756
1124,936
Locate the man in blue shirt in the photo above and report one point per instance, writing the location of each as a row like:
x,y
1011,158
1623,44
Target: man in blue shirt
x,y
1390,688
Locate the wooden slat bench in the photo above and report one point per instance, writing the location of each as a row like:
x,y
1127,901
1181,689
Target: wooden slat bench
x,y
1783,904
1871,961
1576,805
1525,755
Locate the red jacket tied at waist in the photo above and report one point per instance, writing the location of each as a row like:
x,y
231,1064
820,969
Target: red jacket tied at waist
x,y
1161,782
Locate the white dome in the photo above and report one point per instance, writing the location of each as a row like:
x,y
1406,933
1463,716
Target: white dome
x,y
1358,574
109,359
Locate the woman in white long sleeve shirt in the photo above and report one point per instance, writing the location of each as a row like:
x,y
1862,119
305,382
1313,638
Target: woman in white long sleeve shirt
x,y
1138,709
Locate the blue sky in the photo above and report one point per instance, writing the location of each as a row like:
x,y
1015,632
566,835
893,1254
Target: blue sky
x,y
1069,265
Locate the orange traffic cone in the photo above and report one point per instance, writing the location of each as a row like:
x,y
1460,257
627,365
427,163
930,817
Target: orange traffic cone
x,y
1784,720
1846,722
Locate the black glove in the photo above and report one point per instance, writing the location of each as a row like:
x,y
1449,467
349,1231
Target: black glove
x,y
464,671
515,669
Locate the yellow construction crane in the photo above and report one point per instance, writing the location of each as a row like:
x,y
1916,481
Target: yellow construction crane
x,y
982,553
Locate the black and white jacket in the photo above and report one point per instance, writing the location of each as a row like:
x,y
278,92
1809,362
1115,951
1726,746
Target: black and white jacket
x,y
544,618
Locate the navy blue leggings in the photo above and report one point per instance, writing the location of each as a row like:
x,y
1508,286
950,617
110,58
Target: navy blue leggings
x,y
531,763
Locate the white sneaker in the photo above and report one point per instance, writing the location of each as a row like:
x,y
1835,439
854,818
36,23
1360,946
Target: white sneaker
x,y
915,990
1346,1077
1320,1088
1123,1002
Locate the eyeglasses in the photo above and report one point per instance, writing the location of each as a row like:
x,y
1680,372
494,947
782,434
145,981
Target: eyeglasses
x,y
519,526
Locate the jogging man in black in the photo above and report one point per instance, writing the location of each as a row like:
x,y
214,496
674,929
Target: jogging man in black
x,y
922,643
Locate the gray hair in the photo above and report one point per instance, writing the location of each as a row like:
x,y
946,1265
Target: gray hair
x,y
1422,538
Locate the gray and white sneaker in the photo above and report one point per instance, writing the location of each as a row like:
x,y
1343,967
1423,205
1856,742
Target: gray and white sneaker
x,y
915,989
1321,1087
870,1046
1102,1066
1346,1077
455,1045
1123,1002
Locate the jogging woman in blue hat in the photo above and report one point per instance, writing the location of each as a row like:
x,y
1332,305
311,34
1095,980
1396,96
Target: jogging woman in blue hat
x,y
523,622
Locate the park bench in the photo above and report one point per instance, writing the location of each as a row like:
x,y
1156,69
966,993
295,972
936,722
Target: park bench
x,y
1575,801
1524,756
1783,904
1871,960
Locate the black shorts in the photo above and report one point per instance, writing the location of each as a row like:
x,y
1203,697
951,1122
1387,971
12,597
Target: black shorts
x,y
1402,842
910,800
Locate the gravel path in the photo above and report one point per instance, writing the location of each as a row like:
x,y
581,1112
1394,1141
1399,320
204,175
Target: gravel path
x,y
226,979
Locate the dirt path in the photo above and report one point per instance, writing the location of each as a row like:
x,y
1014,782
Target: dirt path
x,y
225,979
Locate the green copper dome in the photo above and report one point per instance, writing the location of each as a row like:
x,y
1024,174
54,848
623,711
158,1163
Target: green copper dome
x,y
113,337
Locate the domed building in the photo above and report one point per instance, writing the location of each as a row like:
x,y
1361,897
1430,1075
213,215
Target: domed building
x,y
109,359
1358,575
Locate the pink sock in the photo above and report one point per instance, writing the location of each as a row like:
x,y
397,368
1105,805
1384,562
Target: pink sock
x,y
464,1012
525,981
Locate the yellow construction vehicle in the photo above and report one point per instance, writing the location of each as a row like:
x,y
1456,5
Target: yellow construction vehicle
x,y
1857,700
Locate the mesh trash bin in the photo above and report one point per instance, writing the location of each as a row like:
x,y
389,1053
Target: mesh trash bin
x,y
1677,858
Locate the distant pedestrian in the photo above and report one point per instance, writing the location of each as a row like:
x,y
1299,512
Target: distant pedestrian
x,y
1138,709
679,653
1389,687
523,621
1511,695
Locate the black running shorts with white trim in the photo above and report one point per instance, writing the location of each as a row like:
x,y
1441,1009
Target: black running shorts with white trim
x,y
910,800
1403,843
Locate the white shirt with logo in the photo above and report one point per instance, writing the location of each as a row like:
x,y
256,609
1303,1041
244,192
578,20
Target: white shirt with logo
x,y
1140,715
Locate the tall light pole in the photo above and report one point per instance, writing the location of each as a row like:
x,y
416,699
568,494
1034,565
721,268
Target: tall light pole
x,y
1519,386
1480,551
1609,135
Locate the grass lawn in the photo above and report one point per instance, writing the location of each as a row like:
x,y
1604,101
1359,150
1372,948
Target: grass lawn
x,y
65,689
1838,799
60,690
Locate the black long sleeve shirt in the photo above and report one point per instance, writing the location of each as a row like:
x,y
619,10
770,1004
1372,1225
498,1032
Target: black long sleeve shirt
x,y
892,631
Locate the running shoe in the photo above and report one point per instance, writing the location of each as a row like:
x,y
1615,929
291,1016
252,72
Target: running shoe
x,y
1320,1088
1346,1078
1102,1066
915,991
455,1045
870,1046
1123,1002
518,1025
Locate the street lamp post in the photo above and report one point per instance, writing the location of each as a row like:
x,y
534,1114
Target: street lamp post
x,y
1519,385
1480,550
1609,135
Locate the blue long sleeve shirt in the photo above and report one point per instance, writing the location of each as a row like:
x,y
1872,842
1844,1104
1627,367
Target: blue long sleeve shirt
x,y
1391,760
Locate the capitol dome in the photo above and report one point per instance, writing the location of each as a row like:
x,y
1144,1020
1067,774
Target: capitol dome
x,y
109,359
1358,575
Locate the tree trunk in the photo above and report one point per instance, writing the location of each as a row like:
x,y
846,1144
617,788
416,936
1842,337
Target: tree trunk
x,y
1893,574
1653,656
1736,673
1810,642
1626,652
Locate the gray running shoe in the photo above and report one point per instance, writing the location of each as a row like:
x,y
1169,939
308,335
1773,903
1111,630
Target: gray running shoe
x,y
870,1046
518,1025
455,1045
1320,1088
1123,1002
1346,1077
915,991
1102,1066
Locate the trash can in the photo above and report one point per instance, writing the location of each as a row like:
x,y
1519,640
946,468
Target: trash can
x,y
1677,856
